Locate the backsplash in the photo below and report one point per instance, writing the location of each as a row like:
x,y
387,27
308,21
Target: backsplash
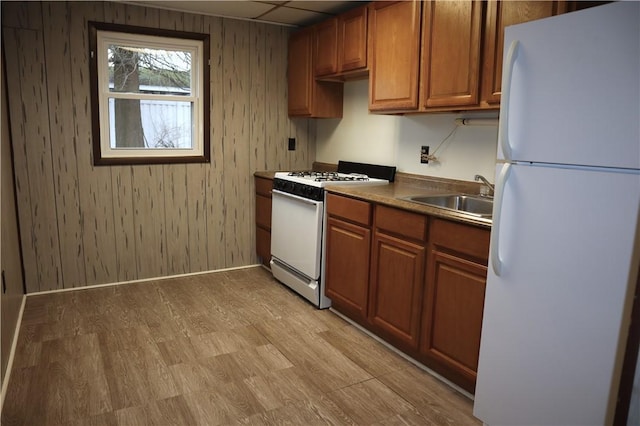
x,y
396,140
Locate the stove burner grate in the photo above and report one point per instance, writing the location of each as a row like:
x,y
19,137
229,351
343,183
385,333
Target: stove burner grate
x,y
330,176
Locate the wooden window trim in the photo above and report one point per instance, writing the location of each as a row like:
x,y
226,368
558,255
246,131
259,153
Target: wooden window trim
x,y
98,158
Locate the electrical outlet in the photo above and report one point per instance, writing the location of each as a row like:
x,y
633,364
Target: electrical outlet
x,y
292,144
424,154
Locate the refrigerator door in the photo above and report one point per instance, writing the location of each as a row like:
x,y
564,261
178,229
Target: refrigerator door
x,y
574,90
552,319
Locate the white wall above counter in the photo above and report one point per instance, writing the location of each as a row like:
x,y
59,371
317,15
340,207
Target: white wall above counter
x,y
396,140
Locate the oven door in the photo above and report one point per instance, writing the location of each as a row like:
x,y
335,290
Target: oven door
x,y
296,232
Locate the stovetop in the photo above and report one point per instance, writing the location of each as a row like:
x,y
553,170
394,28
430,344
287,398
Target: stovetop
x,y
310,184
321,179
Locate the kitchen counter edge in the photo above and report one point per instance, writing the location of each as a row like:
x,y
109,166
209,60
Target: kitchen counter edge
x,y
406,185
392,195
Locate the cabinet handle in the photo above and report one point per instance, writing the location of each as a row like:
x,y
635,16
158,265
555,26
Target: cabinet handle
x,y
501,182
503,128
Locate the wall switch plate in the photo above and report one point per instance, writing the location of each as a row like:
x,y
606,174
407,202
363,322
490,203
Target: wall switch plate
x,y
292,144
424,154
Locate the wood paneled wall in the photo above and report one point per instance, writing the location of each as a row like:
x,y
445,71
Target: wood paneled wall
x,y
84,225
11,296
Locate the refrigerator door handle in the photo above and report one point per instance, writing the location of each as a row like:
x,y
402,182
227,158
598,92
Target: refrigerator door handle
x,y
503,128
501,182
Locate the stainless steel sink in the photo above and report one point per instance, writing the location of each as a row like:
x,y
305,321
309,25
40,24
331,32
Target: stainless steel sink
x,y
477,206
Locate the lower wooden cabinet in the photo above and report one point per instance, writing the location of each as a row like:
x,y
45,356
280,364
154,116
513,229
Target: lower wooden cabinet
x,y
263,219
348,248
396,290
417,282
397,271
454,300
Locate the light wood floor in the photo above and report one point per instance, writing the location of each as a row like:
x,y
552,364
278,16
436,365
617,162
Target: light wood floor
x,y
223,348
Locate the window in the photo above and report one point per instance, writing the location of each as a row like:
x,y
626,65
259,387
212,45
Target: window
x,y
150,95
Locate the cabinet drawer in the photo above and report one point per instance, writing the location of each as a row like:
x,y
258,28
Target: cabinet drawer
x,y
462,238
264,186
347,208
400,222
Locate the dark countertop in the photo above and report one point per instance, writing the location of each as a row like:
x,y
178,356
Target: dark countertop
x,y
406,185
265,175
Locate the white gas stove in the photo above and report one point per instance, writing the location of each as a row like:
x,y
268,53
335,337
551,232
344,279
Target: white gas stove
x,y
309,184
297,223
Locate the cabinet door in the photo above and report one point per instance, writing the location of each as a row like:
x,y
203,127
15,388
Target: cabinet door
x,y
395,51
263,228
347,267
452,318
501,14
299,73
263,219
450,58
326,47
306,96
397,276
352,49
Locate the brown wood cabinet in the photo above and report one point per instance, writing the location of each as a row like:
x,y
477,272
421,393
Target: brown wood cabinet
x,y
306,96
397,276
454,300
348,248
352,36
418,282
325,48
263,219
394,47
450,55
457,69
340,46
499,15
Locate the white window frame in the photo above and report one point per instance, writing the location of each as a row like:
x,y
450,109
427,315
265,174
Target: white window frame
x,y
104,35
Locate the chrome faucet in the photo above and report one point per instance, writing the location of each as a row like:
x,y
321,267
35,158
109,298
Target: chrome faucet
x,y
486,182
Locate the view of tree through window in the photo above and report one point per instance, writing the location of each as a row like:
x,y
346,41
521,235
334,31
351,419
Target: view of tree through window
x,y
150,92
150,123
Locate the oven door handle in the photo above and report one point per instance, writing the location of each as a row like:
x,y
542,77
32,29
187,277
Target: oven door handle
x,y
296,197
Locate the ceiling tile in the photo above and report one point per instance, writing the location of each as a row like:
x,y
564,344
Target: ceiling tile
x,y
332,7
288,15
235,9
291,13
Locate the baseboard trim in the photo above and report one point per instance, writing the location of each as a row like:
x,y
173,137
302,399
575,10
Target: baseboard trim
x,y
12,353
405,356
168,277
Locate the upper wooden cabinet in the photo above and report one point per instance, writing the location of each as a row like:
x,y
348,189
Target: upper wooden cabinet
x,y
501,14
306,96
352,36
394,48
340,46
458,71
325,48
450,58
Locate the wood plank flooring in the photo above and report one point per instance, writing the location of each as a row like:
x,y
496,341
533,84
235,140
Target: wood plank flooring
x,y
231,347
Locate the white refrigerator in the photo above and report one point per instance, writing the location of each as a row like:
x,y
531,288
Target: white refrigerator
x,y
565,243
